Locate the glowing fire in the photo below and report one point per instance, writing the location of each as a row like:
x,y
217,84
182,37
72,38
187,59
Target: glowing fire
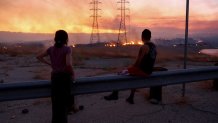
x,y
133,43
111,44
73,45
130,43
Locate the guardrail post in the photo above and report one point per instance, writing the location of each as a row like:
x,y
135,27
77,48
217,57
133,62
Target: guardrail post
x,y
156,91
215,81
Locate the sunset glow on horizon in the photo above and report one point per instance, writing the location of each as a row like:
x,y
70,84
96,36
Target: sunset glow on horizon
x,y
46,16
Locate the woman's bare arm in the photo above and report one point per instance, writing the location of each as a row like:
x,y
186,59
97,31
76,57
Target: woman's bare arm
x,y
69,63
41,58
69,59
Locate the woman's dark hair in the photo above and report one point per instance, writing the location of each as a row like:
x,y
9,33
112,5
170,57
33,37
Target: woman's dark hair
x,y
61,38
146,34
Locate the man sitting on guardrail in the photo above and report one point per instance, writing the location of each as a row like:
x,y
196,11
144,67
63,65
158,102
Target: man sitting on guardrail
x,y
143,65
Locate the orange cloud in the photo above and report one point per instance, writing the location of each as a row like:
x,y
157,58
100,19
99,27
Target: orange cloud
x,y
45,16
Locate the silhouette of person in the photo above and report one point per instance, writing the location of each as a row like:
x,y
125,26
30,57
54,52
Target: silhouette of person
x,y
61,76
143,65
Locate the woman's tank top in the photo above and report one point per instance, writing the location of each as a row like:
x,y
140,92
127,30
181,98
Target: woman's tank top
x,y
58,58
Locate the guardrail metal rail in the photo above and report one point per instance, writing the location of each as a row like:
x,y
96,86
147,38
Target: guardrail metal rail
x,y
87,85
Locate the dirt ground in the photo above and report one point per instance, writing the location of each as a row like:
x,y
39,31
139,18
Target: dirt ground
x,y
199,104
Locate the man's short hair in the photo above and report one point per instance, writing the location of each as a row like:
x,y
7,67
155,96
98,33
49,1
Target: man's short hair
x,y
146,34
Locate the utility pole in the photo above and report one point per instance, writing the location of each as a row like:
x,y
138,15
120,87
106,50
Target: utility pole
x,y
186,42
122,29
95,37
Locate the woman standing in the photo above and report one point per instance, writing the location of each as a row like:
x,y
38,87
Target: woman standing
x,y
61,76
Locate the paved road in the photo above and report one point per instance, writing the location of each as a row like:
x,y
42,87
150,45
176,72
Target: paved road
x,y
200,105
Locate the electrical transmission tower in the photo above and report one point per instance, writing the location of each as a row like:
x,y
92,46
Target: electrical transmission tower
x,y
95,37
122,29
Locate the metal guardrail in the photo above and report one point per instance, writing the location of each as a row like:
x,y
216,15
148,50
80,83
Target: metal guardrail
x,y
87,85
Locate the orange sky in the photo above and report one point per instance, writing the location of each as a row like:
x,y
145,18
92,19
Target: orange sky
x,y
46,16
